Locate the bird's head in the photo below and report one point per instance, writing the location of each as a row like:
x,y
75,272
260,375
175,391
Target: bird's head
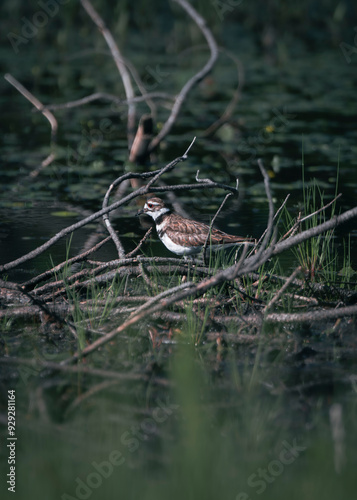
x,y
154,207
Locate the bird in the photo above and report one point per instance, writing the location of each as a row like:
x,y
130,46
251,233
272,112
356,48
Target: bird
x,y
186,237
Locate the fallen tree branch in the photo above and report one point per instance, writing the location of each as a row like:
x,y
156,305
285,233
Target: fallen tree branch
x,y
311,316
78,258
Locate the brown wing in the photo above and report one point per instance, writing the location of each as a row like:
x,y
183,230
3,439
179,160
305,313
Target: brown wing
x,y
219,237
188,232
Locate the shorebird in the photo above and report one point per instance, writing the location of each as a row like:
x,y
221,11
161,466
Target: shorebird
x,y
186,236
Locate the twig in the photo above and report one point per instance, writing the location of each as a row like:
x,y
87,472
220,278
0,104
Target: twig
x,y
163,295
211,225
141,242
263,253
189,187
207,181
88,394
112,232
283,288
147,280
275,216
41,277
170,166
269,228
146,96
300,221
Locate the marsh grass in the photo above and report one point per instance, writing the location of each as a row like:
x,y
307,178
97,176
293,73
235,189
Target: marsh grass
x,y
317,256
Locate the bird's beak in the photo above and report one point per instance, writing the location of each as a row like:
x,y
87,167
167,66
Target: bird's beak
x,y
142,211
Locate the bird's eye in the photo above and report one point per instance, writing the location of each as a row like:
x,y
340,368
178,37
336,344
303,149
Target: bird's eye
x,y
150,205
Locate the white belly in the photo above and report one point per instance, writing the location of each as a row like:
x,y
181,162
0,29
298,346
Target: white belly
x,y
178,249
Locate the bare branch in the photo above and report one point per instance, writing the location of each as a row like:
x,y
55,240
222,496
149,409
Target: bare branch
x,y
275,216
312,316
141,242
112,232
41,277
97,96
314,231
46,113
300,220
269,229
283,288
211,225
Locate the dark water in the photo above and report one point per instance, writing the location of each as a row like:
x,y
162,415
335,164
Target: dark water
x,y
268,417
